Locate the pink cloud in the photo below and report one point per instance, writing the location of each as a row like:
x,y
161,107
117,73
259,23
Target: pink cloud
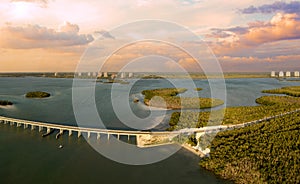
x,y
35,36
280,27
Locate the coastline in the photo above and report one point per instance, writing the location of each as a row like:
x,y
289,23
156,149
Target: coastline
x,y
192,150
6,106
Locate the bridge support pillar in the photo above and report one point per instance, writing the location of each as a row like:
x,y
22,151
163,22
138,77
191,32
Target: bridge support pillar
x,y
118,136
61,131
108,136
25,126
128,137
88,135
19,124
70,132
40,128
98,135
12,123
48,130
32,127
79,134
5,121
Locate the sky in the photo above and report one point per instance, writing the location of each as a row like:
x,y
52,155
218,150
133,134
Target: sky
x,y
57,35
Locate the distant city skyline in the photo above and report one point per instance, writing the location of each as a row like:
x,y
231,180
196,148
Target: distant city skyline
x,y
245,36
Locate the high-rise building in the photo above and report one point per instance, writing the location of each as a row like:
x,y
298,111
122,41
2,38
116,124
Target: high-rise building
x,y
273,74
122,75
281,74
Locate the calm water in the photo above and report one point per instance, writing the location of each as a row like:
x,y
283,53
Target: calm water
x,y
28,158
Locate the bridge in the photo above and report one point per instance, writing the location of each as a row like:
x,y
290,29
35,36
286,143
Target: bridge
x,y
144,138
79,130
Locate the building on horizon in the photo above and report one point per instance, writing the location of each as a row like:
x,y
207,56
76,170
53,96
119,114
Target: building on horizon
x,y
273,74
123,75
281,74
288,74
296,74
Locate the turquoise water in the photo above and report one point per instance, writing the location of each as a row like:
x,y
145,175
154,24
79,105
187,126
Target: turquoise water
x,y
26,157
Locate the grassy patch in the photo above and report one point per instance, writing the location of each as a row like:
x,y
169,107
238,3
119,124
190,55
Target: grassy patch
x,y
172,101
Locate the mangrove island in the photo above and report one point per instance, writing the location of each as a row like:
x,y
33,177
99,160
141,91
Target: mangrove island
x,y
5,103
37,94
172,101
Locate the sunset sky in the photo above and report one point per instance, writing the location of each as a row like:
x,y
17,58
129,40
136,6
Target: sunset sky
x,y
244,35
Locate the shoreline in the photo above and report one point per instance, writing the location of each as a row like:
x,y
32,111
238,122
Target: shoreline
x,y
6,106
192,150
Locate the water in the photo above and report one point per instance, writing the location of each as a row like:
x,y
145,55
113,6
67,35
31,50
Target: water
x,y
28,158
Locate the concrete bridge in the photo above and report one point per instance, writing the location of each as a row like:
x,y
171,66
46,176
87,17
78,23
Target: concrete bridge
x,y
144,138
80,130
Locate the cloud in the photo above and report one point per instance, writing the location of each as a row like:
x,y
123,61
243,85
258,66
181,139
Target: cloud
x,y
104,34
279,6
35,36
42,3
280,27
69,28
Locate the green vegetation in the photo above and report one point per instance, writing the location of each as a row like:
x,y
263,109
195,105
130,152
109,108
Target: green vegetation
x,y
291,91
116,81
267,152
152,77
37,94
192,140
173,101
5,103
198,89
270,106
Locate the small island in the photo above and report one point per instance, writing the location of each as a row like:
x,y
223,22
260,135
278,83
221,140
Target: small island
x,y
152,77
198,89
37,94
5,103
172,101
111,81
